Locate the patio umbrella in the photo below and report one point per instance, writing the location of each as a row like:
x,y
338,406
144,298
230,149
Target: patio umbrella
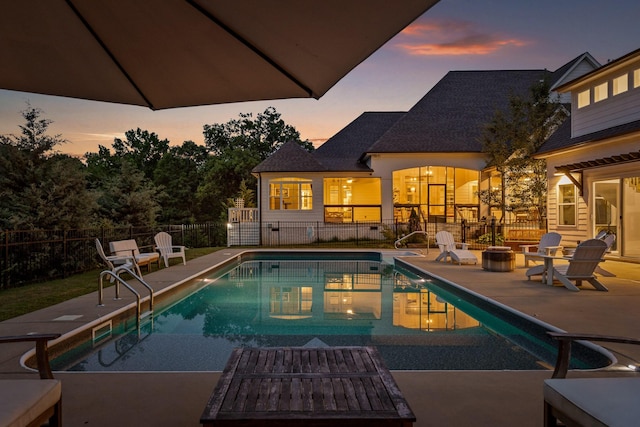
x,y
176,53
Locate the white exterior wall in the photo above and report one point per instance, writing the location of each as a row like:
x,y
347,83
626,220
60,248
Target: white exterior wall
x,y
610,112
583,229
314,214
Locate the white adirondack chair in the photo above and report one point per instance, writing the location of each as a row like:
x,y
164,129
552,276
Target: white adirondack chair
x,y
549,244
582,266
449,248
167,249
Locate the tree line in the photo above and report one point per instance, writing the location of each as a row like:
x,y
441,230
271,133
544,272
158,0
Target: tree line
x,y
141,180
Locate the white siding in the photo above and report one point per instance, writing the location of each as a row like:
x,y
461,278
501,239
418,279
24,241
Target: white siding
x,y
613,111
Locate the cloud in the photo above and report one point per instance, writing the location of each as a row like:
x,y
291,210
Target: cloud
x,y
452,38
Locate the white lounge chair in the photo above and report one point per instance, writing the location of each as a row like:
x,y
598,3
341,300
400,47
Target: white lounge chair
x,y
449,248
129,247
167,249
582,266
589,401
117,263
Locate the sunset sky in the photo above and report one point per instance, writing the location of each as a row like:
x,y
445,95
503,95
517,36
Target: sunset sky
x,y
453,35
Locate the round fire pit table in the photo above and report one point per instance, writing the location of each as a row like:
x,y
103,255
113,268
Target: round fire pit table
x,y
498,258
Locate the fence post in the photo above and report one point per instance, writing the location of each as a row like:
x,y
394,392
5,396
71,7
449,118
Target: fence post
x,y
64,253
464,230
493,231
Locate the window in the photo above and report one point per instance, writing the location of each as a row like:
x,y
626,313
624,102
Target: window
x,y
352,199
583,98
290,194
601,92
567,204
620,84
636,78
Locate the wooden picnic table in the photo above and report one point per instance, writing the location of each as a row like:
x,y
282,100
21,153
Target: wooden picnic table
x,y
299,386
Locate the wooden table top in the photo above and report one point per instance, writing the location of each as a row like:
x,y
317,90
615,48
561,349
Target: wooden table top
x,y
306,386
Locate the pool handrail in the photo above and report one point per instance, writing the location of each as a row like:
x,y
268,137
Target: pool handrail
x,y
116,276
395,245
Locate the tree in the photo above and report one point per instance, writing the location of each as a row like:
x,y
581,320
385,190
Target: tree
x,y
129,199
142,148
40,189
178,176
511,139
237,147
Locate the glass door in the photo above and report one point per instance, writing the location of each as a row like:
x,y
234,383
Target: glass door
x,y
607,212
436,199
631,214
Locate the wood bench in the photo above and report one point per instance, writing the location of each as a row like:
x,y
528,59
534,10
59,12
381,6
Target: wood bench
x,y
129,248
32,402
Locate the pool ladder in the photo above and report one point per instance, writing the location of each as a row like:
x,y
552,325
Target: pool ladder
x,y
411,234
115,276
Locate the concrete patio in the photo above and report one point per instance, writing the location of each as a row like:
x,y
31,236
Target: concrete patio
x,y
451,398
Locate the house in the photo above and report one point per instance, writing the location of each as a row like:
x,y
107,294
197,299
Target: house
x,y
593,159
389,166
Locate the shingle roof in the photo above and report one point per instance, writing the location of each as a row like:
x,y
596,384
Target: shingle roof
x,y
561,138
451,116
342,151
290,157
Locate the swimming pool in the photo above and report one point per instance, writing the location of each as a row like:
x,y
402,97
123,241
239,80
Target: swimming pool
x,y
267,299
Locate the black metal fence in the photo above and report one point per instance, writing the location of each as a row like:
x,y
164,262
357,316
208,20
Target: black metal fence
x,y
39,255
29,256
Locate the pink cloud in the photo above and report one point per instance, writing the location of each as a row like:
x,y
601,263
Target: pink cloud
x,y
451,38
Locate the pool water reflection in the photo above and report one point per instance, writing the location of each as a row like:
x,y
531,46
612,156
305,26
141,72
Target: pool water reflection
x,y
416,322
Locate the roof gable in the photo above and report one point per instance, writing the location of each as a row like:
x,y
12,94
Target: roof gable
x,y
573,69
290,157
452,115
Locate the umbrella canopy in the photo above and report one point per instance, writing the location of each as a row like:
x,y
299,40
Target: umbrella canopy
x,y
176,53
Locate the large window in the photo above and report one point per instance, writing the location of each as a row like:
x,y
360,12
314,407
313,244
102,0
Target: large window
x,y
636,78
567,204
435,194
290,194
352,199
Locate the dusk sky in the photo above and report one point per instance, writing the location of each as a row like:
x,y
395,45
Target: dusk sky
x,y
453,35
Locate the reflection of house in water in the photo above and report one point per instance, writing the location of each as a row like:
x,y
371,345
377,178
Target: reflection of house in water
x,y
360,292
415,306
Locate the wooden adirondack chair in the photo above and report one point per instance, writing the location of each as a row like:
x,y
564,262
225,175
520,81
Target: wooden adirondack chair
x,y
582,266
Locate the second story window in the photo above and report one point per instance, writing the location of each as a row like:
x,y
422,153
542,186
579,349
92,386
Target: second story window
x,y
620,84
584,98
600,92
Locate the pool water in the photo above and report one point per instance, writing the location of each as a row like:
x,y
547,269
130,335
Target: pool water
x,y
416,321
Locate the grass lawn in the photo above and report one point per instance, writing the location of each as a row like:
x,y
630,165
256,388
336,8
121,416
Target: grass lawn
x,y
25,299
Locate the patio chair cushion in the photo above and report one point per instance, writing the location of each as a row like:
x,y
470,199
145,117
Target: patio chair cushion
x,y
24,401
594,401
